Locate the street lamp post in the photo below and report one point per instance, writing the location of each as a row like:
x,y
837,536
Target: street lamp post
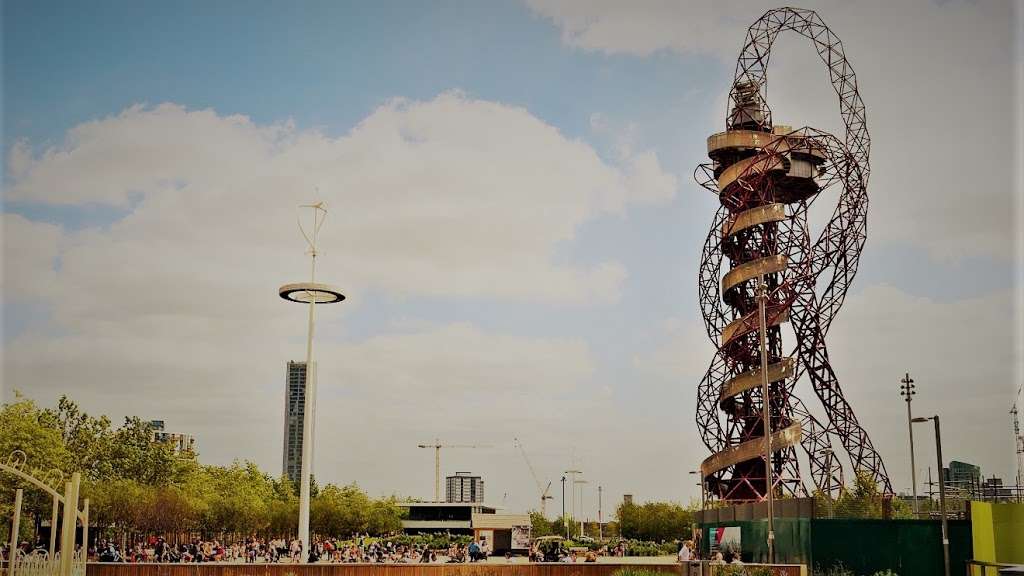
x,y
942,489
572,495
564,523
312,294
762,301
701,484
907,391
582,484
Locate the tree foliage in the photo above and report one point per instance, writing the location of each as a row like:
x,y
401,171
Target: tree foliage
x,y
861,500
654,521
138,486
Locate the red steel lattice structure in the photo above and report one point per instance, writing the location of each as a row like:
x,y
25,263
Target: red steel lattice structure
x,y
767,177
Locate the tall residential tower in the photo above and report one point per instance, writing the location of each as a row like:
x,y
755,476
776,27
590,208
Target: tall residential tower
x,y
294,399
464,487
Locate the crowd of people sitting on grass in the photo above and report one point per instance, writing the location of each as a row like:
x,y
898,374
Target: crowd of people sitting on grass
x,y
359,550
256,550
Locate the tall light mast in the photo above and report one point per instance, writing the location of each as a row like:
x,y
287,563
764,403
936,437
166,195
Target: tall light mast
x,y
312,294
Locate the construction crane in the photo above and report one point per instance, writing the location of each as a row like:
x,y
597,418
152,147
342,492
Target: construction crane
x,y
544,492
437,461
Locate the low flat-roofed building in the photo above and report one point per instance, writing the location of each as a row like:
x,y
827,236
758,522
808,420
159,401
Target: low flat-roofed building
x,y
503,532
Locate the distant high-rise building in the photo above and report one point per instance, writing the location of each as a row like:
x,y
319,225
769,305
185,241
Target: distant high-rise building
x,y
294,401
961,475
993,490
463,487
627,499
181,443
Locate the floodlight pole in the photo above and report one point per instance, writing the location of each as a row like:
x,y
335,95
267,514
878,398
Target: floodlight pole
x,y
907,391
762,298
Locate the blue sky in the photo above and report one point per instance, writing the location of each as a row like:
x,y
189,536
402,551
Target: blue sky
x,y
327,65
329,69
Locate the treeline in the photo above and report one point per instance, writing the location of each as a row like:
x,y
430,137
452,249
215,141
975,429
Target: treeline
x,y
136,486
648,522
654,521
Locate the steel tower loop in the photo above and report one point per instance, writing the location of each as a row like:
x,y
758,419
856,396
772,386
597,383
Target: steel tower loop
x,y
766,177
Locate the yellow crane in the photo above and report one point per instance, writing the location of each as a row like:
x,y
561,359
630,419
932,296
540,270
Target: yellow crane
x,y
437,445
544,492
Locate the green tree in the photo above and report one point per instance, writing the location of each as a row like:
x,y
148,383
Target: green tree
x,y
540,526
117,504
133,454
137,486
654,521
347,510
87,440
558,527
862,501
23,428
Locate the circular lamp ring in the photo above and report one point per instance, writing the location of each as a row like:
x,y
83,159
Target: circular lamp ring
x,y
306,292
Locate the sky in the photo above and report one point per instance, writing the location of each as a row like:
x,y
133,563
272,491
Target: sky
x,y
512,217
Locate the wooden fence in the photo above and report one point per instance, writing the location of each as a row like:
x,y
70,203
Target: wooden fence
x,y
484,569
481,569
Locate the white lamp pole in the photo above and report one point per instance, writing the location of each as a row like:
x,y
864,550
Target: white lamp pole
x,y
309,293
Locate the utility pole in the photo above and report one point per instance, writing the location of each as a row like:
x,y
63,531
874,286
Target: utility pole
x,y
600,526
907,391
942,490
762,300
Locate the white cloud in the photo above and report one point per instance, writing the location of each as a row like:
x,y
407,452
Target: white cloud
x,y
448,197
642,28
682,353
459,359
171,311
937,79
376,398
30,251
962,356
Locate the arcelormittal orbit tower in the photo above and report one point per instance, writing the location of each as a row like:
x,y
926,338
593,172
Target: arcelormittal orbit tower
x,y
767,176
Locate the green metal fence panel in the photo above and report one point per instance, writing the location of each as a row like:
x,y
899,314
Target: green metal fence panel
x,y
865,546
907,547
792,539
